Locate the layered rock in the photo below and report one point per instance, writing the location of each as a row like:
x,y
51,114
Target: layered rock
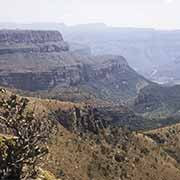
x,y
31,41
19,36
41,60
85,119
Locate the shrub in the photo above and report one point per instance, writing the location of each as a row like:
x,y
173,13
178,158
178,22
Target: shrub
x,y
19,157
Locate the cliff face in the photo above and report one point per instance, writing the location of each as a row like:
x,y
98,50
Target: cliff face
x,y
85,119
69,75
41,60
31,41
29,36
110,79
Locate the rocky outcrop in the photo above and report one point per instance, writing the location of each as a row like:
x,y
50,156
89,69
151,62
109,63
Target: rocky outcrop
x,y
82,120
31,41
19,36
78,118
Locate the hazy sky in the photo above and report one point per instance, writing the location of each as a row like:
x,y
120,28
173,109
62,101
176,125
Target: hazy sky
x,y
131,13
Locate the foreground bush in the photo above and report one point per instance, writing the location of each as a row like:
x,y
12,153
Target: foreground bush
x,y
20,154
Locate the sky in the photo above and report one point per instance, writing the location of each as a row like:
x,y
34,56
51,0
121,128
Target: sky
x,y
159,14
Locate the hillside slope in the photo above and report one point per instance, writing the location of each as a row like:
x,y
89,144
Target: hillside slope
x,y
78,152
168,138
158,101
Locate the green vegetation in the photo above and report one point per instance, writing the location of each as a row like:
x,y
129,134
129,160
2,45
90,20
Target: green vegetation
x,y
20,154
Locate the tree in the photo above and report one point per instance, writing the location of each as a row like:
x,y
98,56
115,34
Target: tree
x,y
28,143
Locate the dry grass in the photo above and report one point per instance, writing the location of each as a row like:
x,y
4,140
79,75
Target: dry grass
x,y
135,157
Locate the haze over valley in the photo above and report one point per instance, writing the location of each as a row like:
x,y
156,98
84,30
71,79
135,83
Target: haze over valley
x,y
152,53
82,100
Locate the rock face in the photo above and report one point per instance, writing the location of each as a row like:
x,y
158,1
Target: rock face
x,y
30,36
82,119
31,41
41,60
153,53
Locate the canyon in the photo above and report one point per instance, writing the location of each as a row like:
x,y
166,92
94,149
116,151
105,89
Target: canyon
x,y
41,60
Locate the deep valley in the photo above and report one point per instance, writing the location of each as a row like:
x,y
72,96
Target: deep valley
x,y
109,122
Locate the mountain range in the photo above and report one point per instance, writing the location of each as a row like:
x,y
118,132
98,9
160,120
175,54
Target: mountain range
x,y
112,122
41,61
152,53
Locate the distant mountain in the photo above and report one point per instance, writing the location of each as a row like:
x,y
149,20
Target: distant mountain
x,y
41,60
152,53
30,26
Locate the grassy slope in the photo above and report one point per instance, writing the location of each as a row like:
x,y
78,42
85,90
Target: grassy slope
x,y
115,154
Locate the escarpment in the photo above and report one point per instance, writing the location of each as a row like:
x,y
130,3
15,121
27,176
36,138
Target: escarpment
x,y
41,60
18,41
